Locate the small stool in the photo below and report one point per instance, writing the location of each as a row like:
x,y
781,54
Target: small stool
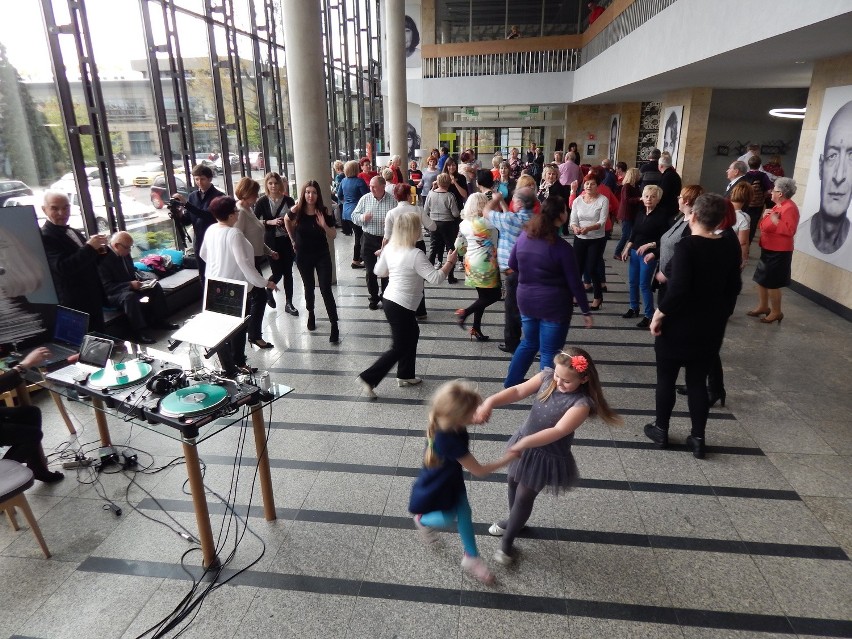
x,y
15,478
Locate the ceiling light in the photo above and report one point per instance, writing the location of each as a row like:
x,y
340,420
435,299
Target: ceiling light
x,y
790,113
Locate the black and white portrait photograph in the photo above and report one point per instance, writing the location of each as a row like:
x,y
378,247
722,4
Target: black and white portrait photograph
x,y
614,124
824,226
670,134
412,34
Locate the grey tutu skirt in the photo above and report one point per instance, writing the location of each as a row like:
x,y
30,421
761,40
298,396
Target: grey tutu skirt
x,y
540,470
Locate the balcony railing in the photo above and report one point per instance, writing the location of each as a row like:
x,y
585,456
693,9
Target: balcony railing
x,y
631,18
458,66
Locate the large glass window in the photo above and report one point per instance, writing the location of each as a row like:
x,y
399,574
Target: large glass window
x,y
472,21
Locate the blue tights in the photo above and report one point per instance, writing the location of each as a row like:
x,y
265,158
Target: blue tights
x,y
462,517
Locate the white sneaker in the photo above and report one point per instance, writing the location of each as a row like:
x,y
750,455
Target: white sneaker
x,y
496,531
476,568
368,390
427,533
414,381
503,558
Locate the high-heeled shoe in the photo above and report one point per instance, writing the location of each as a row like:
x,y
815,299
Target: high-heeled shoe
x,y
770,320
335,337
714,397
758,313
312,321
592,306
476,334
461,318
261,343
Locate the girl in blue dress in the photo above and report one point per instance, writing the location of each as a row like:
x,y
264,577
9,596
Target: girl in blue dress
x,y
438,497
566,395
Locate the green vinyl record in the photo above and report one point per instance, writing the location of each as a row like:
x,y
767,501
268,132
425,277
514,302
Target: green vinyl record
x,y
120,374
193,400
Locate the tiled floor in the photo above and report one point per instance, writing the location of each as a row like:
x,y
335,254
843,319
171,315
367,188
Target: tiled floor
x,y
751,543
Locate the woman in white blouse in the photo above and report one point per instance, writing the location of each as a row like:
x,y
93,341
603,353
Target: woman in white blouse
x,y
229,254
406,267
588,221
254,229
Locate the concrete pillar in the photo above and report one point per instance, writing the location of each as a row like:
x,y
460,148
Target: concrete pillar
x,y
397,104
308,102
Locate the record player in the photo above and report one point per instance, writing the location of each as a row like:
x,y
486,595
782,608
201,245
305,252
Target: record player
x,y
120,375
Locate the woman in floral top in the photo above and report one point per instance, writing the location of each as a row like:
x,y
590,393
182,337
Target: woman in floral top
x,y
477,242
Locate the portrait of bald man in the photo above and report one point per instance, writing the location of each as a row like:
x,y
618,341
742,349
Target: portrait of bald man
x,y
829,226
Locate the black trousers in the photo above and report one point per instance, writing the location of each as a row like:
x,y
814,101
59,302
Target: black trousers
x,y
485,298
696,392
754,214
257,307
405,334
141,315
349,227
20,429
369,245
283,266
232,353
448,232
307,264
512,314
589,253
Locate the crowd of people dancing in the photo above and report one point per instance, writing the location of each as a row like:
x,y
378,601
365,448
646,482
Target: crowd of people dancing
x,y
534,235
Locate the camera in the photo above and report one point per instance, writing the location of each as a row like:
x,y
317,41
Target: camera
x,y
174,207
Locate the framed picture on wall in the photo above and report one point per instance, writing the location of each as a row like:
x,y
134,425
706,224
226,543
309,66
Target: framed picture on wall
x,y
670,134
614,126
824,220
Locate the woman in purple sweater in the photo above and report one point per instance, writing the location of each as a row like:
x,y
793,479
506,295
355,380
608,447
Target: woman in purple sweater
x,y
548,278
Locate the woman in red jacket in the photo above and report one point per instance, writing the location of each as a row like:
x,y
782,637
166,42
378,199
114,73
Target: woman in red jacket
x,y
777,227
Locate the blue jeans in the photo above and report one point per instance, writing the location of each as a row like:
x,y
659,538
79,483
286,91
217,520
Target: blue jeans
x,y
640,280
545,336
462,517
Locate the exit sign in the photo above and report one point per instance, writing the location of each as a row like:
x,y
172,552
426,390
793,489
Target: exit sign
x,y
533,109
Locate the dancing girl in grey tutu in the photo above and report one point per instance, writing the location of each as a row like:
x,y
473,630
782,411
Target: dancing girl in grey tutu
x,y
565,396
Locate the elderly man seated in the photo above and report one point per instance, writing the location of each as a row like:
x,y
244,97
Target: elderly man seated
x,y
142,301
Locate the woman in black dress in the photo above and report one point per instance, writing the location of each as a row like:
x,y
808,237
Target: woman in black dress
x,y
689,323
310,226
272,208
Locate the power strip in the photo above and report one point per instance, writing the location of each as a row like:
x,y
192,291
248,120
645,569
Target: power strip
x,y
78,463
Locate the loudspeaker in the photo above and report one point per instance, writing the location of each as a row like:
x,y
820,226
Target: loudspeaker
x,y
167,381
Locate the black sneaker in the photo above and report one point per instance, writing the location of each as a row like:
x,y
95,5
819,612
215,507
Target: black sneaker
x,y
631,312
373,306
696,444
657,435
645,322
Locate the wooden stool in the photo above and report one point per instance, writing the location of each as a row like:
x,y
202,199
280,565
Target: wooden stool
x,y
15,478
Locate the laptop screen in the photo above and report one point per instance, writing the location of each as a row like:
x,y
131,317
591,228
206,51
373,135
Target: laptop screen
x,y
71,326
227,297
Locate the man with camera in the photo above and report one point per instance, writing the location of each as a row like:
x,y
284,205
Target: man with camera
x,y
195,208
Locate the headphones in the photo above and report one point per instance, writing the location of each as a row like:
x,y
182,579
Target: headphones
x,y
167,381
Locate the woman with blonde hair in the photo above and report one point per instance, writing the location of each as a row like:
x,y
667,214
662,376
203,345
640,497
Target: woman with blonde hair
x,y
477,243
271,209
406,268
631,200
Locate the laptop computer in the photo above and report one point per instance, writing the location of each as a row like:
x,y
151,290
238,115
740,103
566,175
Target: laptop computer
x,y
223,312
94,355
69,329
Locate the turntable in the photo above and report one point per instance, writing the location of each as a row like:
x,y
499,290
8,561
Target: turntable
x,y
120,375
194,401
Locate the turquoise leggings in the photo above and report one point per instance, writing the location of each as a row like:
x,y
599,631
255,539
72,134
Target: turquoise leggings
x,y
461,516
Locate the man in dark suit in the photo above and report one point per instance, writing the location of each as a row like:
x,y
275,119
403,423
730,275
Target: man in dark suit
x,y
671,184
125,290
73,260
195,208
735,173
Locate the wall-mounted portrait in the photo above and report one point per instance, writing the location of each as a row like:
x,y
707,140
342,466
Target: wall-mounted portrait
x,y
670,134
824,224
614,126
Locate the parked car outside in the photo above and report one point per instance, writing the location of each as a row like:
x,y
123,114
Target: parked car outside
x,y
13,188
145,177
233,161
133,211
93,173
75,221
160,191
203,160
256,160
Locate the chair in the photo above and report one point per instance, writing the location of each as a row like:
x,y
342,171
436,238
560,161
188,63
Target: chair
x,y
15,478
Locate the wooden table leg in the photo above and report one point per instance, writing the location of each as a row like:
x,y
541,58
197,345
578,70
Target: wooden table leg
x,y
199,502
62,411
101,421
263,463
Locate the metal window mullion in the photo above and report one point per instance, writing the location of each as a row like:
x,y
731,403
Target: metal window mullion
x,y
258,83
217,97
275,80
180,89
235,71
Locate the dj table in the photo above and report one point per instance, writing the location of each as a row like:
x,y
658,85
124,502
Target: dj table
x,y
158,396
